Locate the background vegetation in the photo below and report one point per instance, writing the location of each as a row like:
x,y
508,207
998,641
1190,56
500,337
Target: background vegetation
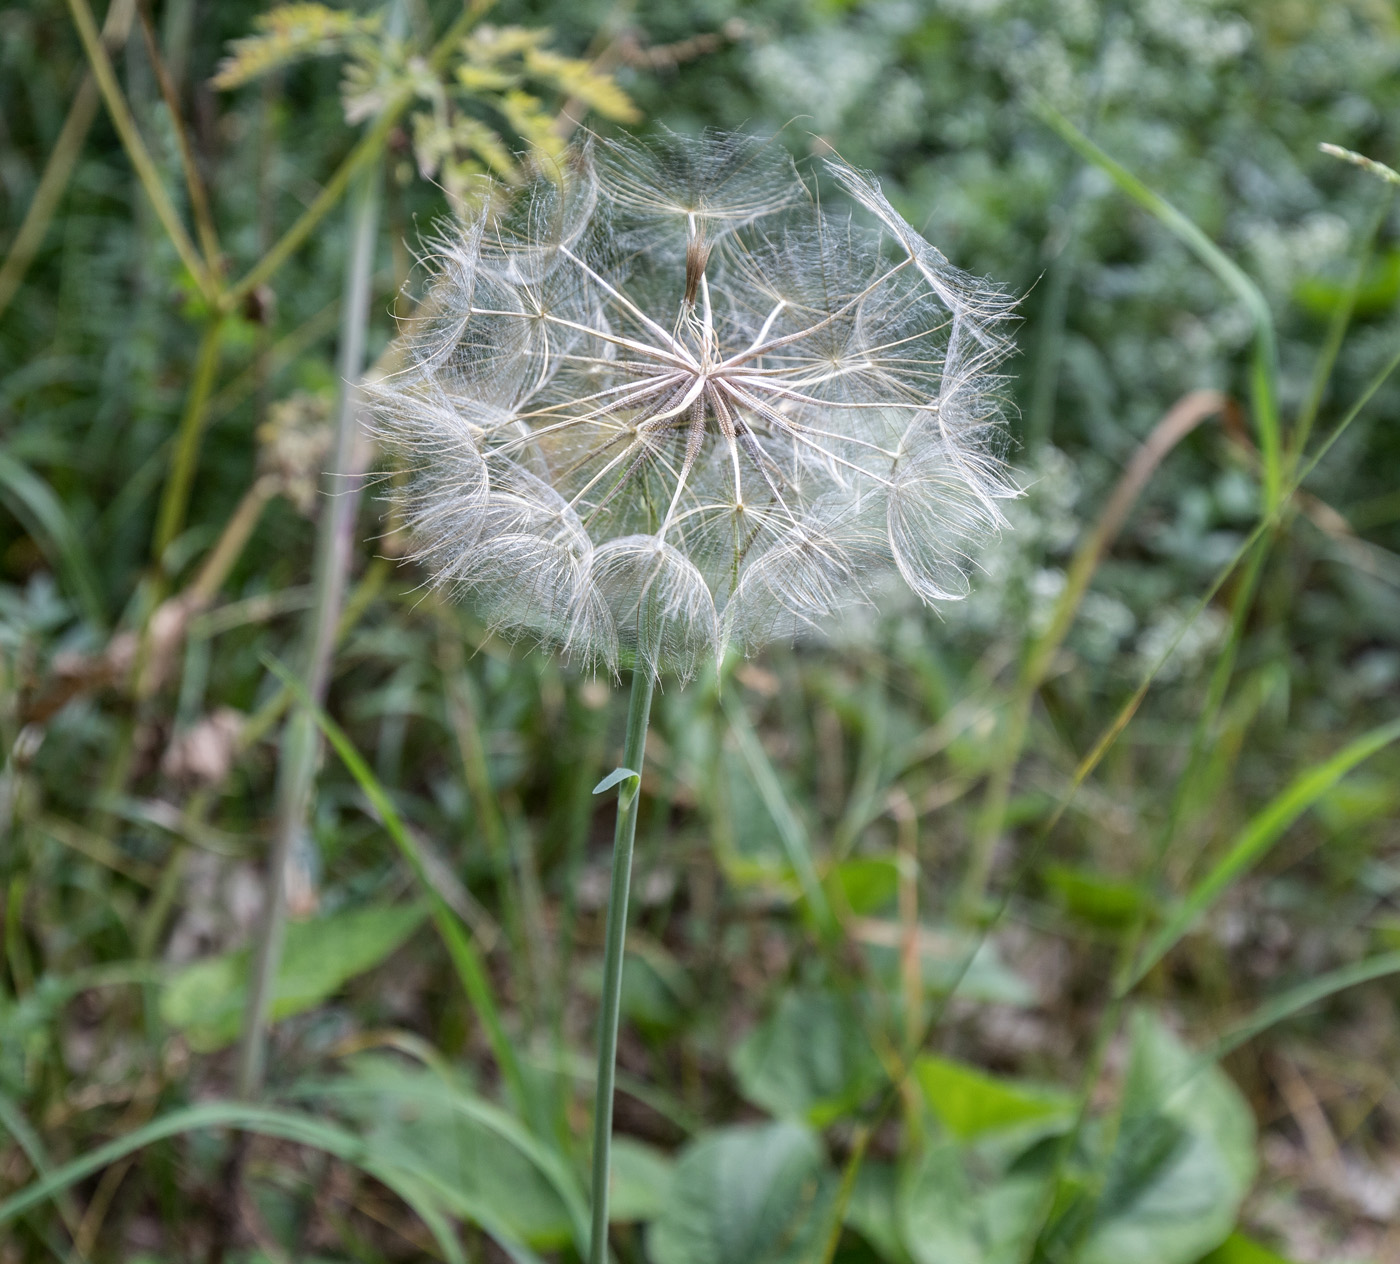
x,y
1057,924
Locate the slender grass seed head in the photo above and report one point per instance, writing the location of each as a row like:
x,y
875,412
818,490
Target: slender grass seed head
x,y
662,400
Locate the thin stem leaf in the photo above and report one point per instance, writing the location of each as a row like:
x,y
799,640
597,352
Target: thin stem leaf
x,y
633,754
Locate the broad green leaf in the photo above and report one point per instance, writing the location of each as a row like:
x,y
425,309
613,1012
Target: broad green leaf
x,y
1261,833
751,1194
951,960
1092,898
1238,1249
641,1181
867,884
945,1216
646,999
656,992
206,999
480,1154
1183,1160
871,1211
1377,292
809,1060
791,831
970,1103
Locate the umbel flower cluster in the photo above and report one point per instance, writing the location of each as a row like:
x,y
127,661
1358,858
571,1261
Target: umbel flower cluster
x,y
662,400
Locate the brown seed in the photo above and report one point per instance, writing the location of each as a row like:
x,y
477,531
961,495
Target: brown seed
x,y
697,255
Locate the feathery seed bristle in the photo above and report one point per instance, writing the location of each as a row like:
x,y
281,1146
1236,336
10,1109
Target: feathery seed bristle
x,y
660,400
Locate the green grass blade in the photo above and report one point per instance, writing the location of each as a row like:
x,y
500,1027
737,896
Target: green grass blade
x,y
12,1120
1301,997
1286,1005
444,1097
1260,834
1337,328
459,947
1264,370
790,830
267,1121
34,503
1120,722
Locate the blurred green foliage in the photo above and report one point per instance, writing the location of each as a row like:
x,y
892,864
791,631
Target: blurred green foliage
x,y
778,1100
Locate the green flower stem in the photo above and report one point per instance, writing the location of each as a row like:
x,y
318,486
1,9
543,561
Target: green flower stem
x,y
629,794
184,459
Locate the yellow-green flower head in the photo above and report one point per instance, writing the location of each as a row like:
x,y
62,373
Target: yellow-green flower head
x,y
663,400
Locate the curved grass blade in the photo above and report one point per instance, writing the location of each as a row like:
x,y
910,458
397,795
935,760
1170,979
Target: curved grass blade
x,y
1178,422
12,1120
411,1186
1260,834
1264,374
1297,999
1287,1004
35,504
548,1162
790,830
459,946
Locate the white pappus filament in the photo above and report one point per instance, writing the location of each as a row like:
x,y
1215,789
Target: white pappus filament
x,y
662,400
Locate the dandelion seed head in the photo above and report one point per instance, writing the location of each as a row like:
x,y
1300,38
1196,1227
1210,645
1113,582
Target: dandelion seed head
x,y
662,399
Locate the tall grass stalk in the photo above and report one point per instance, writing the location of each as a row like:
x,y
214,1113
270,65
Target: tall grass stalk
x,y
300,743
1263,377
1179,421
1264,401
628,780
62,160
184,458
136,149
